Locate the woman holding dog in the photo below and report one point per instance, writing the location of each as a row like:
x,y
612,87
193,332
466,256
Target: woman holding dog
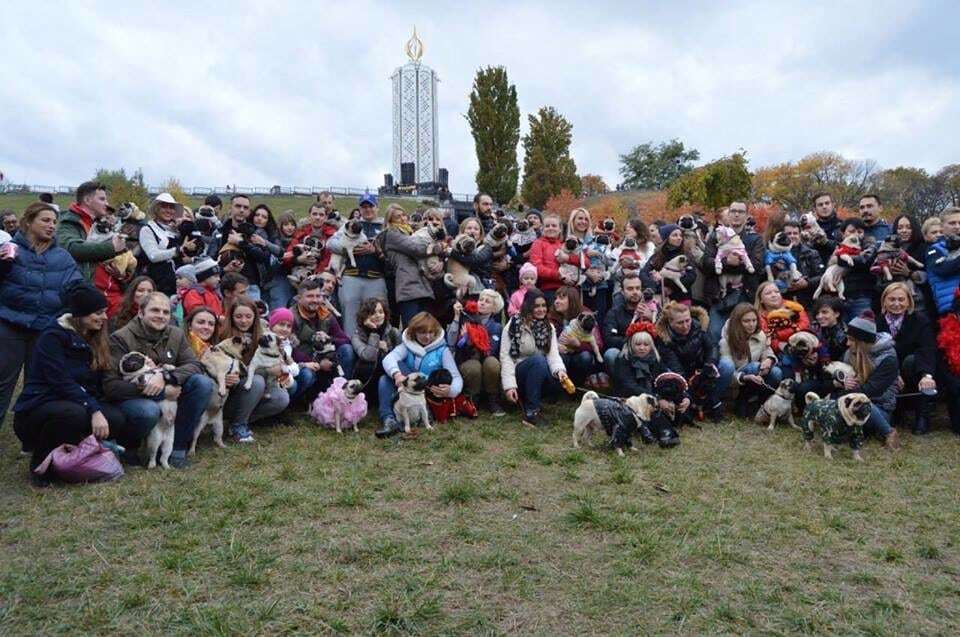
x,y
33,271
577,357
779,319
670,248
161,243
747,347
873,356
474,335
412,290
530,352
63,400
424,349
246,406
543,254
916,347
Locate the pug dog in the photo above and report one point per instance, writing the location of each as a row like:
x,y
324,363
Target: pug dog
x,y
842,258
138,368
523,235
890,254
324,349
103,230
217,364
779,261
810,230
839,372
499,241
778,406
801,343
351,235
570,247
341,404
436,235
619,419
458,275
581,329
411,402
837,420
729,242
673,270
311,246
268,355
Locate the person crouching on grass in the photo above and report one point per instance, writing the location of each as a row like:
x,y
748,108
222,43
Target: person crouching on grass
x,y
529,351
424,349
474,336
63,399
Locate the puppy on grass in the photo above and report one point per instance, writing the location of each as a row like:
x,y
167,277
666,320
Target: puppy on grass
x,y
139,369
620,420
778,406
411,402
838,421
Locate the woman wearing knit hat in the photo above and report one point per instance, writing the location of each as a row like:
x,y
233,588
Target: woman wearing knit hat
x,y
63,399
874,358
669,249
528,281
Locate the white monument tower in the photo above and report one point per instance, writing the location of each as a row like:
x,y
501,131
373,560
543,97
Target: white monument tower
x,y
415,115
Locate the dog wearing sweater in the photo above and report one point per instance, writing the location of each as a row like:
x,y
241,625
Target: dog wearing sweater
x,y
619,419
581,329
728,243
832,279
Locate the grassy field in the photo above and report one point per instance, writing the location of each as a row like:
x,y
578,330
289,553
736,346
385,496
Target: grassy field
x,y
487,528
278,204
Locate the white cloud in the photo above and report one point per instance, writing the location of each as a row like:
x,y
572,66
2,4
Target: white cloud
x,y
255,94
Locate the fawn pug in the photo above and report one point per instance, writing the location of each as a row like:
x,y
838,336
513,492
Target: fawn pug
x,y
832,279
411,402
778,406
619,419
138,368
837,421
351,236
218,364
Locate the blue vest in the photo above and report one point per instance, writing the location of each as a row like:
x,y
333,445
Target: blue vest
x,y
432,360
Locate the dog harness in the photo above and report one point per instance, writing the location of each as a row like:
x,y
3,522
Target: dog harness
x,y
617,419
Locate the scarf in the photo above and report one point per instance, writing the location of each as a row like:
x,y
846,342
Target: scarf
x,y
197,344
86,219
894,322
475,333
401,227
541,329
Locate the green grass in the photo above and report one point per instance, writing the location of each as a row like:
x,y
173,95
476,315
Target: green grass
x,y
299,204
486,527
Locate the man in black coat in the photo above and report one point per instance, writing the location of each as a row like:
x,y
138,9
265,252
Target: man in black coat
x,y
619,318
808,263
721,306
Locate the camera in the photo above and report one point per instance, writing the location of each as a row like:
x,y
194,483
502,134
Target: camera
x,y
609,225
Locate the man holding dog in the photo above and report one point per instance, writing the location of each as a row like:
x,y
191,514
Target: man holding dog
x,y
721,306
150,333
366,280
75,224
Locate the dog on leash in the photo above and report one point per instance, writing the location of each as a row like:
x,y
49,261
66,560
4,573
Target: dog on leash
x,y
832,279
838,421
351,235
217,364
581,328
778,406
138,368
342,404
268,355
620,420
411,403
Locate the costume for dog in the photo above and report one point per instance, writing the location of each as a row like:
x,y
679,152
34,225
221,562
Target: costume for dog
x,y
620,422
834,430
325,407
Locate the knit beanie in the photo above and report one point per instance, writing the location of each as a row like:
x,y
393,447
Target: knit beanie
x,y
205,269
528,268
187,272
82,299
863,328
667,229
280,315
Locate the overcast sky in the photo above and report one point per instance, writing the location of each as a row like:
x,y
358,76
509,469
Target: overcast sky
x,y
298,93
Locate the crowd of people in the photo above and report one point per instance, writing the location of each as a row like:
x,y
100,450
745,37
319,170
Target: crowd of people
x,y
497,307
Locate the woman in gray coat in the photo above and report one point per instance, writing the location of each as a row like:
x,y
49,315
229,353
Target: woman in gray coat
x,y
412,289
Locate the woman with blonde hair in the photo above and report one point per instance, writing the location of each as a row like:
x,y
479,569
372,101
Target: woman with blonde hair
x,y
638,363
916,347
779,318
873,356
412,290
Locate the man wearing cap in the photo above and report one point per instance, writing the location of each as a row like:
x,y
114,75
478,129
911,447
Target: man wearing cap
x,y
720,306
204,291
74,228
365,280
160,243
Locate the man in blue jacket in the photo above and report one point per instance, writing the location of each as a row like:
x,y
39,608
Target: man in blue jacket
x,y
943,272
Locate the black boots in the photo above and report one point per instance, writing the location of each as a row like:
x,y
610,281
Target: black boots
x,y
921,423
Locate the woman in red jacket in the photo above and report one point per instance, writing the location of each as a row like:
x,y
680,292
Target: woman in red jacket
x,y
543,254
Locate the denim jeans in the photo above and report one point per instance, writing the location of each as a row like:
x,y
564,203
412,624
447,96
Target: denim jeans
x,y
409,309
773,377
534,379
878,424
610,360
304,381
726,369
279,292
143,413
852,308
580,365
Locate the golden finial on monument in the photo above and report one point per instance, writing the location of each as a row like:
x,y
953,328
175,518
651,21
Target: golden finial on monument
x,y
414,47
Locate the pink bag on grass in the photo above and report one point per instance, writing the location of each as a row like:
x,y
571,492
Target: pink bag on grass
x,y
86,462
